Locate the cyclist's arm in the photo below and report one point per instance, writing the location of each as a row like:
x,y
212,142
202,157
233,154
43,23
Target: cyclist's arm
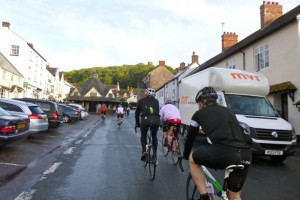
x,y
137,114
192,133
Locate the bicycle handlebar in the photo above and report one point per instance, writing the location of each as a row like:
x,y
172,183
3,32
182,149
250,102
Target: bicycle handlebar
x,y
180,163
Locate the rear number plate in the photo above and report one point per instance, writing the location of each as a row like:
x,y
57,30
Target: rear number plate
x,y
273,152
21,126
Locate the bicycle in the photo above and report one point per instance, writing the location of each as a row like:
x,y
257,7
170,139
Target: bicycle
x,y
173,143
150,158
215,189
103,117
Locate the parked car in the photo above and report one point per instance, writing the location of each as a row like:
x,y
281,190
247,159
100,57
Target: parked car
x,y
84,115
12,128
69,113
52,110
38,119
80,109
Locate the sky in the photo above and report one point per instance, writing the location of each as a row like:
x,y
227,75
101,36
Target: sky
x,y
76,34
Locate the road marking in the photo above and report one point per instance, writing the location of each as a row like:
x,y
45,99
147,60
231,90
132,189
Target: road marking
x,y
51,170
70,150
26,195
78,142
11,164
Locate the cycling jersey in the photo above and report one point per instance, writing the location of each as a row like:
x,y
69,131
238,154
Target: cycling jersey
x,y
146,106
220,125
169,111
120,110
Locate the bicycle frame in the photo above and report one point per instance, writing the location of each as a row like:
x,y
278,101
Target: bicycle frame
x,y
221,190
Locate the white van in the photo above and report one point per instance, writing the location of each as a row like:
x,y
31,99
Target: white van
x,y
245,94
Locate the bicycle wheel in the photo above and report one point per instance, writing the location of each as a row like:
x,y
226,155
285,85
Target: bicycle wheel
x,y
151,164
192,192
165,149
176,151
191,189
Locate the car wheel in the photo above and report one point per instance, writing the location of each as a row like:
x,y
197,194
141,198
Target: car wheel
x,y
66,118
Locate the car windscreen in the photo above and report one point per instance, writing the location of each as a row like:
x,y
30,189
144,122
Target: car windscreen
x,y
36,110
250,105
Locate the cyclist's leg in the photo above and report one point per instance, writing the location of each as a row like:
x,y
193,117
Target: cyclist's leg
x,y
238,177
154,129
234,195
165,131
144,129
198,176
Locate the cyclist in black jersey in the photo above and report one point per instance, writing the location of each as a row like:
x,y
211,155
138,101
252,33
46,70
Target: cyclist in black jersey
x,y
147,116
227,144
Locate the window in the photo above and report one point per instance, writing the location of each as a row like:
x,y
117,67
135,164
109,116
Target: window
x,y
14,51
10,107
230,64
261,56
75,93
2,94
93,94
173,93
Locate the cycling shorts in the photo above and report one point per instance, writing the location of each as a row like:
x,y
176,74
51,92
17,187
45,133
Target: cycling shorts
x,y
120,115
220,157
103,112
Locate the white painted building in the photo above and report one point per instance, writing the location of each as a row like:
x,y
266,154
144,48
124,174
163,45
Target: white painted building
x,y
11,80
29,62
273,50
169,91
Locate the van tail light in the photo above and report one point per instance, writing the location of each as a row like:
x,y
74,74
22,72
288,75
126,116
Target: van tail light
x,y
55,116
35,116
8,129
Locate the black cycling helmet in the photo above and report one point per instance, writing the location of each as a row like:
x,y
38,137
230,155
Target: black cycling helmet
x,y
206,93
168,101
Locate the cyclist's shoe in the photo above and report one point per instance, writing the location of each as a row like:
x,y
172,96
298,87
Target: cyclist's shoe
x,y
144,155
155,161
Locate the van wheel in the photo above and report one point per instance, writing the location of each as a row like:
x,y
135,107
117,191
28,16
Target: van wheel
x,y
278,159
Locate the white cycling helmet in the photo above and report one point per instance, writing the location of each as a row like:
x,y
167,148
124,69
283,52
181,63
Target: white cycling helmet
x,y
150,92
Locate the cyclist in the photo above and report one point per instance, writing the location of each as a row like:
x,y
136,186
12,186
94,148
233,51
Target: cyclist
x,y
227,144
147,112
103,110
127,110
120,113
169,114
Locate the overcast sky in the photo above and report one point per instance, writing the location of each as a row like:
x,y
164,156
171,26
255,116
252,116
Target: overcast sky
x,y
75,34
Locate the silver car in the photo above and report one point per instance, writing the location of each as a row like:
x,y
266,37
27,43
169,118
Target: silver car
x,y
38,119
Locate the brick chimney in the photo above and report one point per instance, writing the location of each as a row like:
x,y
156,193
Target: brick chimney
x,y
6,24
182,66
269,11
161,63
195,58
228,40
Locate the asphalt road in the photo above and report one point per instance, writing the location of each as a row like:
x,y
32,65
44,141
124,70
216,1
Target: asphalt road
x,y
97,160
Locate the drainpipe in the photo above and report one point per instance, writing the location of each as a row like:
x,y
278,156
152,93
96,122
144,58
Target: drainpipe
x,y
244,65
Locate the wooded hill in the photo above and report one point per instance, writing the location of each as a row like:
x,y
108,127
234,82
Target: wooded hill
x,y
126,75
